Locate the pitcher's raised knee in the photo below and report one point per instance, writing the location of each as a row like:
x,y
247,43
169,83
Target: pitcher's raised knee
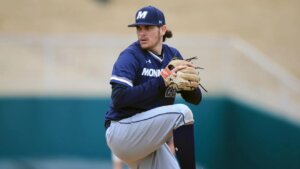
x,y
186,111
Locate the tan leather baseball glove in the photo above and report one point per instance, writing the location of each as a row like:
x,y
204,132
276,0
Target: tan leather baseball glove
x,y
181,74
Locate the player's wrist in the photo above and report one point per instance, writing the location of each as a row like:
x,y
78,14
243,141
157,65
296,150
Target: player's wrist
x,y
166,74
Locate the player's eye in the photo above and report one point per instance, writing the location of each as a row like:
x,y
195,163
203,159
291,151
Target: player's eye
x,y
138,28
149,27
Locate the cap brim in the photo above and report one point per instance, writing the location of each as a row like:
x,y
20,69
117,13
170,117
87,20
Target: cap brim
x,y
142,23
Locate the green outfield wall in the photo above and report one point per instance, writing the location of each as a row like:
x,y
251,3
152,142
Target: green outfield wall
x,y
229,134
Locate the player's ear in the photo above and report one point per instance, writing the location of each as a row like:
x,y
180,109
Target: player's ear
x,y
163,30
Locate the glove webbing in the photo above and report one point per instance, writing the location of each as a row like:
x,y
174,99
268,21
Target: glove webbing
x,y
190,59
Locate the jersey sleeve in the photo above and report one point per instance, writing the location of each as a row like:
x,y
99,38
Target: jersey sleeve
x,y
194,96
140,96
125,69
176,53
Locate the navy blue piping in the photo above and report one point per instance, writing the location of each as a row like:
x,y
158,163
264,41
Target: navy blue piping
x,y
153,117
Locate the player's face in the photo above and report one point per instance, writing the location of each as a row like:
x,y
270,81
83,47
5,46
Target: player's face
x,y
150,37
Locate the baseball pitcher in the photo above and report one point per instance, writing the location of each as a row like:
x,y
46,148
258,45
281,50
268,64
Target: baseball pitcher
x,y
142,115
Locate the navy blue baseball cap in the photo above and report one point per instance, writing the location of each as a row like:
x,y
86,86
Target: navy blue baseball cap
x,y
149,15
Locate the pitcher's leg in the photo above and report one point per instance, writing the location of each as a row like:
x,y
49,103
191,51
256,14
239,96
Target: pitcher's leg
x,y
162,158
185,146
133,142
134,138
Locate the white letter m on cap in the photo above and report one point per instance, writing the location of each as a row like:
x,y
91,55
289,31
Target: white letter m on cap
x,y
142,15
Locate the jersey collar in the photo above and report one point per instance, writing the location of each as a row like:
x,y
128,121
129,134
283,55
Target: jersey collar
x,y
157,57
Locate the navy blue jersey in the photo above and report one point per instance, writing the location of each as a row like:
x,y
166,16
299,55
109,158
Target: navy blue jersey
x,y
138,71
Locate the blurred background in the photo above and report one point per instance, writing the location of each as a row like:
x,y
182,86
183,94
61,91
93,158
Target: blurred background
x,y
56,58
